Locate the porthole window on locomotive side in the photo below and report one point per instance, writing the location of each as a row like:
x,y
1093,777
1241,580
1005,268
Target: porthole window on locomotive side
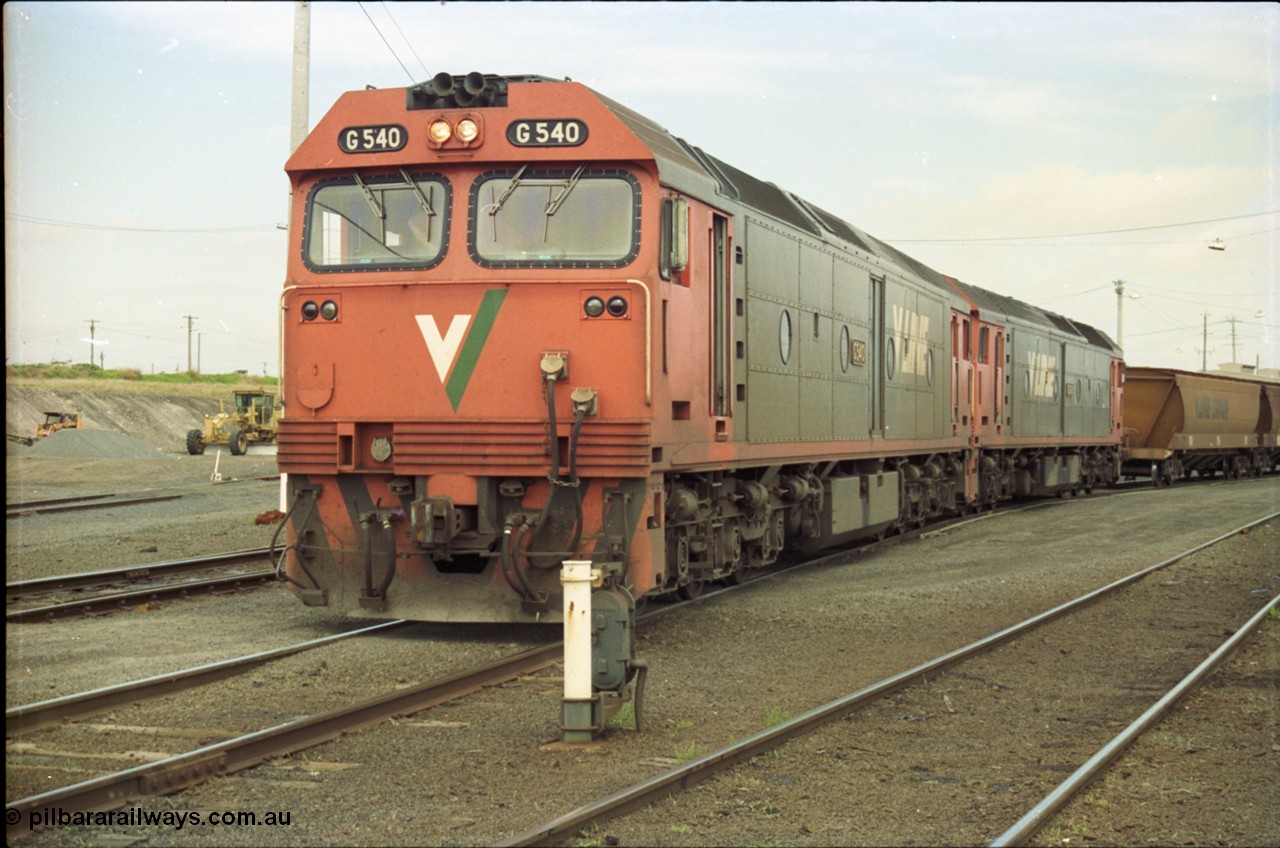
x,y
928,367
844,349
784,336
372,223
889,363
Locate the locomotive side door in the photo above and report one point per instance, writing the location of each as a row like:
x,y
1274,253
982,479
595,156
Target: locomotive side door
x,y
1060,388
721,337
878,330
959,372
987,388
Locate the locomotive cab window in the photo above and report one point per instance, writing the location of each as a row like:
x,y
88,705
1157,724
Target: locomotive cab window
x,y
573,218
375,223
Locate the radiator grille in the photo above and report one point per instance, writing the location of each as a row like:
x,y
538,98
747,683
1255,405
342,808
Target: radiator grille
x,y
476,447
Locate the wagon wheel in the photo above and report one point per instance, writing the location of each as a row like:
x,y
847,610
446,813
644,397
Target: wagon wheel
x,y
195,442
238,440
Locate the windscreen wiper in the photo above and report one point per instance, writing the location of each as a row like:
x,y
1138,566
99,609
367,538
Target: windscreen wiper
x,y
496,206
417,190
567,187
378,211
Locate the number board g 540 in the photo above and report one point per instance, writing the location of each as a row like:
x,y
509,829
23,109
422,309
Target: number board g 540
x,y
550,132
383,138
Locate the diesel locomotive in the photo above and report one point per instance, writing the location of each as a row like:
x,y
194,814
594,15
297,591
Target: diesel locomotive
x,y
523,324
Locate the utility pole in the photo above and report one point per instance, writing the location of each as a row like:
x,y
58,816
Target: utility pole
x,y
1233,319
199,339
301,73
190,318
91,322
1204,343
1120,314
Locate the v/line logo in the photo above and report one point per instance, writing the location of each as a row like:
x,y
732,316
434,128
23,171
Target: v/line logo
x,y
456,351
911,336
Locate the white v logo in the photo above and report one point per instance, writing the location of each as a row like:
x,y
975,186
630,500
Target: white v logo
x,y
444,348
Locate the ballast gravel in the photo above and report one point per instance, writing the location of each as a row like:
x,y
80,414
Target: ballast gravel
x,y
477,770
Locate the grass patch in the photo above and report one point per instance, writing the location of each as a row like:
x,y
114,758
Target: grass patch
x,y
66,377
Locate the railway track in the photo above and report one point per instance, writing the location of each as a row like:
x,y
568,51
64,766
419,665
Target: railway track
x,y
185,770
701,769
106,500
37,716
181,771
154,582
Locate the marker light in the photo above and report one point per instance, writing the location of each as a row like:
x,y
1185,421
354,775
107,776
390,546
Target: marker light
x,y
617,306
310,310
439,131
594,307
329,310
467,130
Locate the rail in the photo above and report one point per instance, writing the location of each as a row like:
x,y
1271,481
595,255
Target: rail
x,y
36,716
1081,777
694,772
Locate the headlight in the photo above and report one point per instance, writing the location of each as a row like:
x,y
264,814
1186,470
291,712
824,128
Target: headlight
x,y
617,306
329,310
440,131
594,307
310,310
467,130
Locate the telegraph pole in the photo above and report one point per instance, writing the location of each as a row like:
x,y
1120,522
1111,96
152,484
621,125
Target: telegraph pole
x,y
1204,343
1233,319
190,318
199,339
1120,314
91,322
301,73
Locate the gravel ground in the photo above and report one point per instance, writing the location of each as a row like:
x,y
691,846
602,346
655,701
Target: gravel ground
x,y
471,772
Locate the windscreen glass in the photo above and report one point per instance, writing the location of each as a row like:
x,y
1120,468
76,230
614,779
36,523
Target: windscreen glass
x,y
574,218
377,223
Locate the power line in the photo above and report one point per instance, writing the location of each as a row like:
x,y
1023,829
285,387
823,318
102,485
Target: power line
x,y
384,41
408,43
81,225
1079,235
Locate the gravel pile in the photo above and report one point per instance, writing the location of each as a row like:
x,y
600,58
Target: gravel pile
x,y
92,444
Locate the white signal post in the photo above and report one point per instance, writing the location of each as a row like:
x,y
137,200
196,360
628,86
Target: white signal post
x,y
578,716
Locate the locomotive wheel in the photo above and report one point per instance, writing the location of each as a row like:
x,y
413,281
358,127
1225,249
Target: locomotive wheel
x,y
195,442
239,441
738,575
691,590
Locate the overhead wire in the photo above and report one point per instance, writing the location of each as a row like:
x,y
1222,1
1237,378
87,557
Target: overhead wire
x,y
408,43
84,225
384,41
1092,233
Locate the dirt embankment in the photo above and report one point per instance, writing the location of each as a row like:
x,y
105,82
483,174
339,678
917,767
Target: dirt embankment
x,y
160,419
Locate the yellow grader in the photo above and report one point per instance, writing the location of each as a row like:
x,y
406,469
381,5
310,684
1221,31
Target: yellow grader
x,y
255,420
53,422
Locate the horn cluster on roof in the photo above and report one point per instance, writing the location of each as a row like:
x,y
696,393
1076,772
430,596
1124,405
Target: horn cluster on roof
x,y
446,91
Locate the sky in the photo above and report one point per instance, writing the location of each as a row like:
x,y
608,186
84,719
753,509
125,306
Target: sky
x,y
1041,150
